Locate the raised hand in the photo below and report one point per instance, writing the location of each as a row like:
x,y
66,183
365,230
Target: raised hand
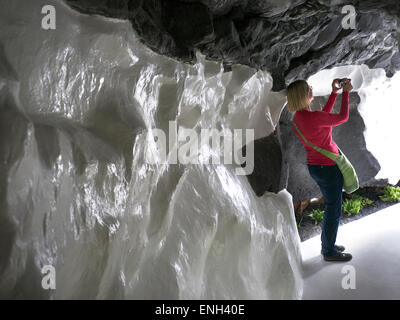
x,y
348,86
335,85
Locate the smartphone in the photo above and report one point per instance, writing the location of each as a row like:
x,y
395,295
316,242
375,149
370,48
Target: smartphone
x,y
342,82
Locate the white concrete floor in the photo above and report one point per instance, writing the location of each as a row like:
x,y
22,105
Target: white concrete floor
x,y
374,242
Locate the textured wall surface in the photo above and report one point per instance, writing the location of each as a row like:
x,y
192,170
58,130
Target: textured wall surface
x,y
290,39
76,189
76,103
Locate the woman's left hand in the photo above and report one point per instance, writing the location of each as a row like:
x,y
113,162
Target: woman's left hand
x,y
335,86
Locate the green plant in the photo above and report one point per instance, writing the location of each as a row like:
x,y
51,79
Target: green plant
x,y
351,206
364,201
391,194
316,215
355,204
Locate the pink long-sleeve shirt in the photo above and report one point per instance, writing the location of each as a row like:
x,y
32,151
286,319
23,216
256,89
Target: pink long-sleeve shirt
x,y
316,126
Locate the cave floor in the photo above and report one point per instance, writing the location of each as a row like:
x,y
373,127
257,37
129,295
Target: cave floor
x,y
374,271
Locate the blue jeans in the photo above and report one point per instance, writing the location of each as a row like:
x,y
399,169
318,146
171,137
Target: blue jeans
x,y
330,181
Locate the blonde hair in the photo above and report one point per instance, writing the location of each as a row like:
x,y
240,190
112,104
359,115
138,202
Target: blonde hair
x,y
297,95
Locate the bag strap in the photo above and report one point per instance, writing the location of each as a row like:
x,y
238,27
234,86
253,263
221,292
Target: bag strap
x,y
329,154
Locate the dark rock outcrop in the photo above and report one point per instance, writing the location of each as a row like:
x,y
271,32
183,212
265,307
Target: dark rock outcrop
x,y
290,39
267,174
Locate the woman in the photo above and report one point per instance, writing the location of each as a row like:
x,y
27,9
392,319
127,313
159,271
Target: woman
x,y
316,126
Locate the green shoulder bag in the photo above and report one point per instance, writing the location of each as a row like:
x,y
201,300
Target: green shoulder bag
x,y
350,179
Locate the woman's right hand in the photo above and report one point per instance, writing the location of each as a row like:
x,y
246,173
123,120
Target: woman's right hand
x,y
348,87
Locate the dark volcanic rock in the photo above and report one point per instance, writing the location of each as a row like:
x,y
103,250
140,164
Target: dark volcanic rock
x,y
267,174
291,39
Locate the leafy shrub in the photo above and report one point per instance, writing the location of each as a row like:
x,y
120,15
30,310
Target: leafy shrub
x,y
355,204
364,201
351,206
391,194
316,215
